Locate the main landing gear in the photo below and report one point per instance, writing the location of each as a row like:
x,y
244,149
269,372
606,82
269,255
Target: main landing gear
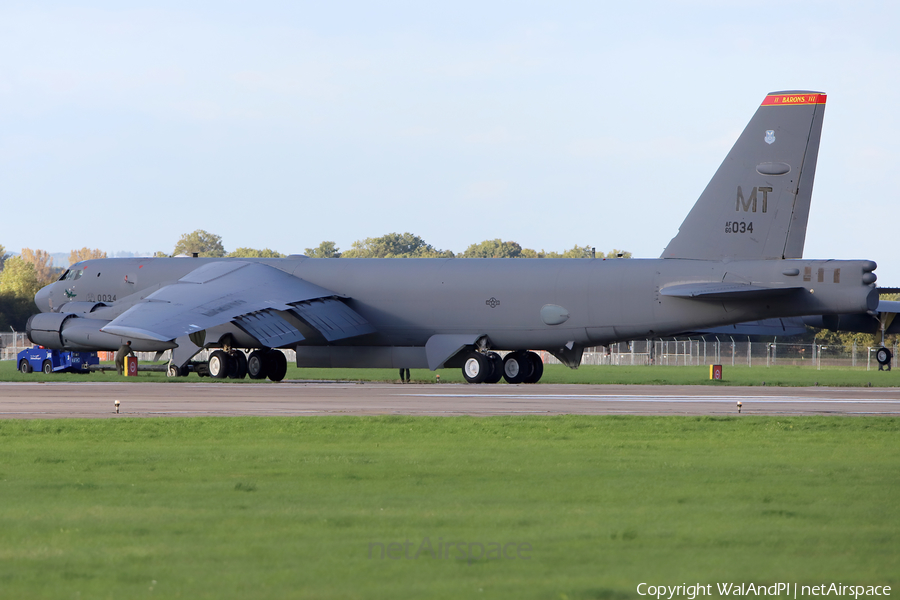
x,y
234,364
517,367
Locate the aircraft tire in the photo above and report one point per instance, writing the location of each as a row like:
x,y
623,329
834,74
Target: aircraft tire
x,y
276,365
237,368
517,367
477,368
47,368
883,356
173,371
25,366
496,368
537,367
256,365
218,364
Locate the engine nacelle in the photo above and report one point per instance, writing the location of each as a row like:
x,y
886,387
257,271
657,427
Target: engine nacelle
x,y
81,307
68,331
44,329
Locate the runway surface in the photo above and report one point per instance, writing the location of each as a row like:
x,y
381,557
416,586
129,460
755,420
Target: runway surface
x,y
96,400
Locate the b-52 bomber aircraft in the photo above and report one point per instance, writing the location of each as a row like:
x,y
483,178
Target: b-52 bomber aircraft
x,y
736,258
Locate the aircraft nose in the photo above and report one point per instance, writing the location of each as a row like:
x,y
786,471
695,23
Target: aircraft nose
x,y
43,298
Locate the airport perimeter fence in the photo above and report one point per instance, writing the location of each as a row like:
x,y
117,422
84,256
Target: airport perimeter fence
x,y
699,352
675,352
12,343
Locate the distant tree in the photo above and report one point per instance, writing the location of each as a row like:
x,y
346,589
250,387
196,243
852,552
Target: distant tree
x,y
324,250
576,252
3,256
18,285
614,253
585,252
395,245
85,254
15,310
160,254
499,249
202,242
494,249
254,253
529,253
19,278
43,264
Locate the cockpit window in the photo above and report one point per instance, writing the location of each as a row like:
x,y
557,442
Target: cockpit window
x,y
63,276
72,275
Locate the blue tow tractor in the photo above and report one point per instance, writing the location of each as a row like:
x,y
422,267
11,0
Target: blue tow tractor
x,y
56,361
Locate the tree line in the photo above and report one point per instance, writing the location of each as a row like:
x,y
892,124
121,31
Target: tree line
x,y
391,245
22,276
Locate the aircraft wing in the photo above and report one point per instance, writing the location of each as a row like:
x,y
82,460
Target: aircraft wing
x,y
250,294
725,291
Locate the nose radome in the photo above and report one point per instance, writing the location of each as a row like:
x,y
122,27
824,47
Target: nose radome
x,y
43,298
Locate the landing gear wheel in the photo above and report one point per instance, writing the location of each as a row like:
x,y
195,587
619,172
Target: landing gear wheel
x,y
218,364
256,365
174,371
517,367
496,368
477,368
276,365
237,365
47,368
537,366
25,367
883,356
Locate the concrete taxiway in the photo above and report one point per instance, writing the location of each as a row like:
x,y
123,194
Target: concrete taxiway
x,y
302,398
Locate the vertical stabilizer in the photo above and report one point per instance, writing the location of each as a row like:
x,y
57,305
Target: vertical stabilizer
x,y
757,204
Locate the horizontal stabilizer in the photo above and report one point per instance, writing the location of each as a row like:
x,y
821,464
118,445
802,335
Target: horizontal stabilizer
x,y
725,291
787,326
888,306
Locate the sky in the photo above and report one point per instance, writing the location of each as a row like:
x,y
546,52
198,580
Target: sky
x,y
283,124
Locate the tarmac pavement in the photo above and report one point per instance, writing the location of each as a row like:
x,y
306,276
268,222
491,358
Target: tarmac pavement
x,y
304,398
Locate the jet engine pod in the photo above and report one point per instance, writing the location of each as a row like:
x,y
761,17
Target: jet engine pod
x,y
44,329
68,331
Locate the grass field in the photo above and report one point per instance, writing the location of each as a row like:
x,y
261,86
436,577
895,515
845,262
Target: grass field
x,y
293,507
586,374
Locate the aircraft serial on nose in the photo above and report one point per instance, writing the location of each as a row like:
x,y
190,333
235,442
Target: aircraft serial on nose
x,y
736,258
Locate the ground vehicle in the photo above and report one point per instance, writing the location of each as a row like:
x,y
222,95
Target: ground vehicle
x,y
55,361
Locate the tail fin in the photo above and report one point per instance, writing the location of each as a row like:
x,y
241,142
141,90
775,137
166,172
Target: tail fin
x,y
757,204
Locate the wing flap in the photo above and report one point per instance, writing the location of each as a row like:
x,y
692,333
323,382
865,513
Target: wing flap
x,y
270,329
332,318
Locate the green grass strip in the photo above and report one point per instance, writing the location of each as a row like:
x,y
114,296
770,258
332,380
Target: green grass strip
x,y
293,507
